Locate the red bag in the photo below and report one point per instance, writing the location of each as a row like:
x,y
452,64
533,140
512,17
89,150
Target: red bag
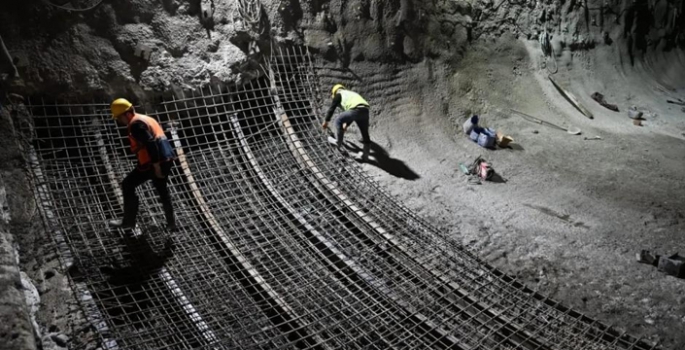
x,y
485,171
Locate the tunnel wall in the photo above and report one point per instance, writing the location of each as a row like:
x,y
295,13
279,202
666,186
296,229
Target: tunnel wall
x,y
141,46
16,314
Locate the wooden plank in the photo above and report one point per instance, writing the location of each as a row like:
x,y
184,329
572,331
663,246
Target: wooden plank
x,y
572,99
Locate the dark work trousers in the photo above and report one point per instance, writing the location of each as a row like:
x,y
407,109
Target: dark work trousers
x,y
358,115
136,178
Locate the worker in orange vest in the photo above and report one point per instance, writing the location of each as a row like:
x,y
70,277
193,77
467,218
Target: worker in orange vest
x,y
155,160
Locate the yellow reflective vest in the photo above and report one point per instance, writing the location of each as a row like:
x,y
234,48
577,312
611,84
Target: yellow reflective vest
x,y
351,99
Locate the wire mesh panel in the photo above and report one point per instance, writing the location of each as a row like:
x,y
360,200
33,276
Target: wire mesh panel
x,y
484,308
281,244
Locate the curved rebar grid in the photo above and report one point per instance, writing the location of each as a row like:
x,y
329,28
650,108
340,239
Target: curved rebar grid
x,y
298,81
163,274
281,243
83,189
324,185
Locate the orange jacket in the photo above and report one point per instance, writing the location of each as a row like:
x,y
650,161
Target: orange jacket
x,y
164,148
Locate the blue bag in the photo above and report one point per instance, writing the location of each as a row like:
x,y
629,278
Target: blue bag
x,y
486,138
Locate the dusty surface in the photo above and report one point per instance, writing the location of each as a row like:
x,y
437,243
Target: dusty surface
x,y
573,212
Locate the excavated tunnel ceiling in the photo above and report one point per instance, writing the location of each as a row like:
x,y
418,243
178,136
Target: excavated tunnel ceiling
x,y
282,243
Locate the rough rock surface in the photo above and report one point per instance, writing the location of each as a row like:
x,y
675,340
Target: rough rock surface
x,y
155,45
16,329
120,46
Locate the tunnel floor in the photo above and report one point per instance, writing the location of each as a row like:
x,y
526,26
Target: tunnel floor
x,y
282,243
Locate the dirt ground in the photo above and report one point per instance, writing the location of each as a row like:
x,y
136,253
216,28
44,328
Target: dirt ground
x,y
572,213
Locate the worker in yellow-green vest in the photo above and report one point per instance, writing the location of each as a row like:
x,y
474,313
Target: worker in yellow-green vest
x,y
355,109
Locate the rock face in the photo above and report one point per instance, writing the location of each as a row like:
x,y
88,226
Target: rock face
x,y
16,330
141,45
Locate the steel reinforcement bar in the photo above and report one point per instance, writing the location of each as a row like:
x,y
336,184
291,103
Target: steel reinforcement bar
x,y
299,83
282,244
476,311
463,305
360,278
298,281
443,288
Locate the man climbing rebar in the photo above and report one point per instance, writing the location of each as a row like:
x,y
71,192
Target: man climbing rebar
x,y
355,109
155,160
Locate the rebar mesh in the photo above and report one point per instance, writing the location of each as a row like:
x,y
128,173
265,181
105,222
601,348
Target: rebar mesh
x,y
282,244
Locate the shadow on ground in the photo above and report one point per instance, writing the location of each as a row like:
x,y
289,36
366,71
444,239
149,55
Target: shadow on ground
x,y
497,178
128,277
142,260
381,159
515,147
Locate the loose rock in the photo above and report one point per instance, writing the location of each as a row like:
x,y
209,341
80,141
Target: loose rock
x,y
60,339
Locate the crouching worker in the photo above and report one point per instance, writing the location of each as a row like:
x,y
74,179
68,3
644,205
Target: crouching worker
x,y
155,160
355,109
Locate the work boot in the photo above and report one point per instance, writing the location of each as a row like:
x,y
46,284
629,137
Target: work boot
x,y
119,223
333,141
364,154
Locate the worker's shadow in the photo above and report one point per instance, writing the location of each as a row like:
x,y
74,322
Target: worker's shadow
x,y
141,260
380,158
129,276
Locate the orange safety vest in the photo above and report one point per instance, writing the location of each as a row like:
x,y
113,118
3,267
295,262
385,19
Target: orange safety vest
x,y
154,127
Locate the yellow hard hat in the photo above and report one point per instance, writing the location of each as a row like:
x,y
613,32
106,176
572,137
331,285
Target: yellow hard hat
x,y
119,107
336,88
